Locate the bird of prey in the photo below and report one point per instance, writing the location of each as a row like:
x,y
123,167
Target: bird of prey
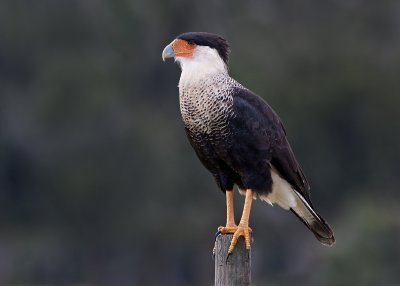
x,y
238,137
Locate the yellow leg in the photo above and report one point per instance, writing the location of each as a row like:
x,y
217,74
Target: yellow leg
x,y
230,213
243,228
231,226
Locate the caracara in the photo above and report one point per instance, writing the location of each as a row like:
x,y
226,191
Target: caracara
x,y
238,137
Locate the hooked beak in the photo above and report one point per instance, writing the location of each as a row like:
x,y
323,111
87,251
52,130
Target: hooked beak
x,y
168,52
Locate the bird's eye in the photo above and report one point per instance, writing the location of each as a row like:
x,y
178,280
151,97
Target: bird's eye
x,y
191,42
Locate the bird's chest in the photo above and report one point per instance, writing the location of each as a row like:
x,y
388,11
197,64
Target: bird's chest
x,y
206,110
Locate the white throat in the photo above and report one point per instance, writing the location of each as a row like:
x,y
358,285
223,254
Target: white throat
x,y
205,62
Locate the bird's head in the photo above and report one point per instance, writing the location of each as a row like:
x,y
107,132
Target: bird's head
x,y
198,50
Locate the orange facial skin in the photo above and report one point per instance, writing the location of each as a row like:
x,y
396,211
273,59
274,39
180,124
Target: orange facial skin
x,y
182,48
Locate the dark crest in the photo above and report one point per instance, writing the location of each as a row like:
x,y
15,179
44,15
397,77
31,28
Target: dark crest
x,y
207,39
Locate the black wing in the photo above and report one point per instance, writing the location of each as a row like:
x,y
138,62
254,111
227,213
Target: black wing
x,y
261,128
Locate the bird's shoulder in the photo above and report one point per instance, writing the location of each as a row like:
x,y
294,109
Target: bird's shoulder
x,y
254,113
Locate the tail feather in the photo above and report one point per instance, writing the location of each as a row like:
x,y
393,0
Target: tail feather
x,y
313,221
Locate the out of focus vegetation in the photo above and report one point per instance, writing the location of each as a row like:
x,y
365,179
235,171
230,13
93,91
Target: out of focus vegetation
x,y
98,185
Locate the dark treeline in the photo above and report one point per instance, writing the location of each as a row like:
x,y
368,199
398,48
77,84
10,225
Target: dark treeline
x,y
99,186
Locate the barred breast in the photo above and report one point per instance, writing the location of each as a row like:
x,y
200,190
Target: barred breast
x,y
206,106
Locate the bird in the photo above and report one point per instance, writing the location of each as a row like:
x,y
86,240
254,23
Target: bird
x,y
238,137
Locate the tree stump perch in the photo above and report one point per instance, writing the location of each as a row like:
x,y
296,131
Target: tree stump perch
x,y
235,269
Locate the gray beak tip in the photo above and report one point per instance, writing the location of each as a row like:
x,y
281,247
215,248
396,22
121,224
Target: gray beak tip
x,y
168,52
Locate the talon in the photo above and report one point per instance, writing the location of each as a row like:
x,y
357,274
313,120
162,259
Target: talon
x,y
227,257
217,234
241,231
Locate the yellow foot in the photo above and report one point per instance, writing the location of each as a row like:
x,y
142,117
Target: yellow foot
x,y
232,229
227,229
240,231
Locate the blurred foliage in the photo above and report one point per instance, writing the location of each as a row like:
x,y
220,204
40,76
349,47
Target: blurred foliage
x,y
98,185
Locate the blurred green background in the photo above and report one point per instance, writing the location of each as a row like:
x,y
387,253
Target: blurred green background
x,y
99,186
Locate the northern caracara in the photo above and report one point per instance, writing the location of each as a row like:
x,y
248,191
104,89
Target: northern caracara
x,y
238,137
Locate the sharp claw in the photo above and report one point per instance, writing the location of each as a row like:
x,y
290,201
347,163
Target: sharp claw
x,y
227,257
217,234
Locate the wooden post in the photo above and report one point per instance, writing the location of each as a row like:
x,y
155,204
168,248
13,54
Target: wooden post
x,y
234,270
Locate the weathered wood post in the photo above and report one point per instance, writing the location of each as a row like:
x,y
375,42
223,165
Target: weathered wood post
x,y
234,270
